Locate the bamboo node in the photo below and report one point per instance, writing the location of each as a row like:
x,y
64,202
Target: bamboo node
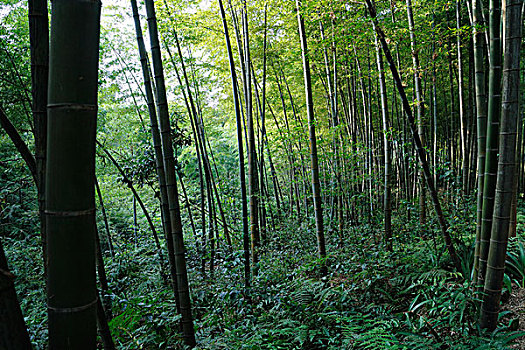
x,y
73,106
70,213
72,309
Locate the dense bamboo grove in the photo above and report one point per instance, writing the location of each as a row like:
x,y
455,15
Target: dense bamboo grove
x,y
302,160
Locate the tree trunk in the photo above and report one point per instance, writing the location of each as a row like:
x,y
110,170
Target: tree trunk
x,y
157,147
253,180
419,107
387,196
70,174
462,115
19,144
506,166
481,116
105,218
13,331
39,43
102,322
316,188
242,176
491,160
188,331
102,278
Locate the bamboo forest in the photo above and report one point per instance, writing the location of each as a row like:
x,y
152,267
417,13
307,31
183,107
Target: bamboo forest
x,y
271,174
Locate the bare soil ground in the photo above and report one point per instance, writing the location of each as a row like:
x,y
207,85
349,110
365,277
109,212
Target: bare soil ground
x,y
516,305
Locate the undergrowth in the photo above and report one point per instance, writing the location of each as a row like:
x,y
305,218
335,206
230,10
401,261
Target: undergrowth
x,y
371,298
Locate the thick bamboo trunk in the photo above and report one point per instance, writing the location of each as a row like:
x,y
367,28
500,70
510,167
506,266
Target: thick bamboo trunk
x,y
260,163
514,208
481,118
491,160
506,166
434,109
70,174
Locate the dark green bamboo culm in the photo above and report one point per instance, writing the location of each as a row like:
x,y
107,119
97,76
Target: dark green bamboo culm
x,y
253,179
481,118
70,173
105,218
19,143
13,330
387,194
332,102
506,167
171,182
461,105
157,147
491,159
420,108
103,327
316,188
104,307
242,175
39,44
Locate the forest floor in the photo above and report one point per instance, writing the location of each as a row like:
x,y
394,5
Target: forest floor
x,y
516,306
372,299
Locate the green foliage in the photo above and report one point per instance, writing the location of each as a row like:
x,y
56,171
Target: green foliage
x,y
371,299
24,256
144,322
515,263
